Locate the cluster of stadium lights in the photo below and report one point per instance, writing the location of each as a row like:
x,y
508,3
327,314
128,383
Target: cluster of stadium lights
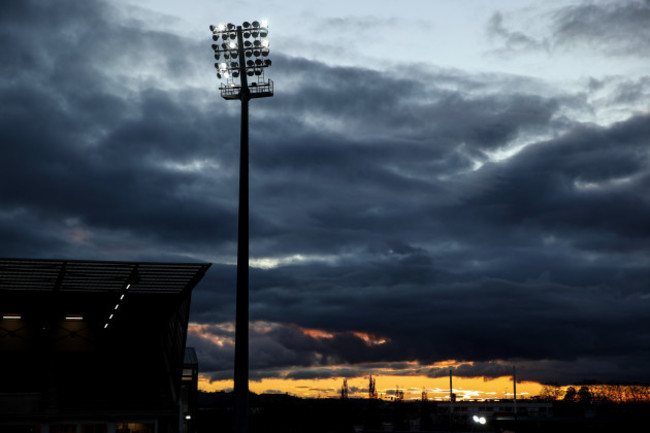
x,y
233,60
117,306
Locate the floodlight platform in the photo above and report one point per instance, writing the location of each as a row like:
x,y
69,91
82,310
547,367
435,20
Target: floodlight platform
x,y
256,90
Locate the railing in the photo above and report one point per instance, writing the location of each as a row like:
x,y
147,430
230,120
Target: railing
x,y
256,89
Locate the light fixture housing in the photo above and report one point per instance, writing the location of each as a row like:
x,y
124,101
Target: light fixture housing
x,y
242,43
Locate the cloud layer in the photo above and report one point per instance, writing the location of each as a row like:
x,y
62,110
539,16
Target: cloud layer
x,y
396,219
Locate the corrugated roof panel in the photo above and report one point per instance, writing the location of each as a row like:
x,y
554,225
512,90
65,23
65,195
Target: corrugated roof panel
x,y
97,276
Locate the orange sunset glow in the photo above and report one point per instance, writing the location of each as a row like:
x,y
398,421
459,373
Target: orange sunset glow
x,y
409,378
436,388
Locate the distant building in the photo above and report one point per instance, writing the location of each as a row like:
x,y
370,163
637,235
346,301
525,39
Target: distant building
x,y
96,347
464,412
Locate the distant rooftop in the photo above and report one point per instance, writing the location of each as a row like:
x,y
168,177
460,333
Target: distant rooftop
x,y
98,276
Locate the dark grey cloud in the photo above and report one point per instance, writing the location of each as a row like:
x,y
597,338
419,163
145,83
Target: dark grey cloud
x,y
615,28
384,220
543,263
90,132
618,28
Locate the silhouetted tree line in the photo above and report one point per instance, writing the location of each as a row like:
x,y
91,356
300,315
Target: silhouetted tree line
x,y
282,413
598,392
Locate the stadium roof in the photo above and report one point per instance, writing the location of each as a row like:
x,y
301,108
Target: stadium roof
x,y
98,276
93,338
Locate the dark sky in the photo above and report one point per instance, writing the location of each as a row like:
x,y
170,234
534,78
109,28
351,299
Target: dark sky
x,y
419,216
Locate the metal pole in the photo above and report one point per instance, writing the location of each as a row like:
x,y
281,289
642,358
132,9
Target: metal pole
x,y
241,317
451,401
514,401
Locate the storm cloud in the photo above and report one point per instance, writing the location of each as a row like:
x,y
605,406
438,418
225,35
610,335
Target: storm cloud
x,y
397,220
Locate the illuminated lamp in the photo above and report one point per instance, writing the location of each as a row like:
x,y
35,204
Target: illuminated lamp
x,y
73,317
479,419
12,316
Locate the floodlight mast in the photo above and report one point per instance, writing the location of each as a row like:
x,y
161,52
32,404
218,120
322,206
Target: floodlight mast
x,y
238,67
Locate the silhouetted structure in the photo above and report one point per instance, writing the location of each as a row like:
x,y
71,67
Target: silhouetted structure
x,y
372,388
241,52
94,346
281,413
344,390
399,394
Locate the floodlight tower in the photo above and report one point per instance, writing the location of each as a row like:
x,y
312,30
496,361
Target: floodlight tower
x,y
242,52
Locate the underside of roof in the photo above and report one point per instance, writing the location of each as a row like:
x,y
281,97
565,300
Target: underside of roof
x,y
98,276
